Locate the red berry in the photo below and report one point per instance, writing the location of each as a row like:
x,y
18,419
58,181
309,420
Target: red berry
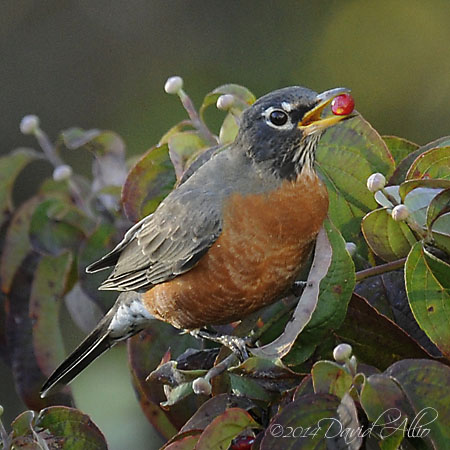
x,y
342,105
243,443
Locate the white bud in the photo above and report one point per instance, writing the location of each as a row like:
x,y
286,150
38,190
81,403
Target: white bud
x,y
62,172
375,182
225,102
29,124
173,85
400,212
342,352
351,248
201,386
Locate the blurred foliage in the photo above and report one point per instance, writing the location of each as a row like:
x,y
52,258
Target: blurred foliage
x,y
205,398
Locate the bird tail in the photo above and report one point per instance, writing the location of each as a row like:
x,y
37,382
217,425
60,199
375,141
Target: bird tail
x,y
126,318
96,343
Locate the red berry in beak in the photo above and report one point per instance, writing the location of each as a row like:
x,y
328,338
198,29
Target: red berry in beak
x,y
342,105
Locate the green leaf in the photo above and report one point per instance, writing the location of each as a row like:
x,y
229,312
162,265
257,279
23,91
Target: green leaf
x,y
386,407
375,338
417,202
438,206
400,148
148,183
224,428
428,298
184,443
10,167
17,244
346,156
242,94
304,424
389,239
229,129
404,165
441,232
331,378
335,292
433,183
93,248
69,429
56,226
27,372
434,163
49,283
425,384
184,148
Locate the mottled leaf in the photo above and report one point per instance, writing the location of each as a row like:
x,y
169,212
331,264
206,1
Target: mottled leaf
x,y
148,183
400,148
224,428
331,378
68,429
428,298
438,206
17,244
433,183
242,95
375,338
100,242
184,148
49,283
214,407
310,422
425,384
185,443
346,156
417,202
441,232
56,226
434,163
27,374
404,165
10,167
389,239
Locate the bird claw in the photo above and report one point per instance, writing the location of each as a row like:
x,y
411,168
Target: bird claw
x,y
236,344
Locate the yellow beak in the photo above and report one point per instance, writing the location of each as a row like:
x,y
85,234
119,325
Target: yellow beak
x,y
312,121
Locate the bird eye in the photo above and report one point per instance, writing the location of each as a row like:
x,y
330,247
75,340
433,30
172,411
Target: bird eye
x,y
278,117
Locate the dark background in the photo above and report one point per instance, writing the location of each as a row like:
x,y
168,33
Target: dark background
x,y
103,64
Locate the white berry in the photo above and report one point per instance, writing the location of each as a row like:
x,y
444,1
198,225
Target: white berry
x,y
375,182
29,124
225,102
62,172
400,212
201,386
173,85
342,352
351,248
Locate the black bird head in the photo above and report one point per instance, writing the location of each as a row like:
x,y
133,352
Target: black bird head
x,y
283,128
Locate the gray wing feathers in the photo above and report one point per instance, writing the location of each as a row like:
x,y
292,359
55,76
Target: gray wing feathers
x,y
165,244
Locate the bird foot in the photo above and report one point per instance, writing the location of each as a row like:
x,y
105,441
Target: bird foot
x,y
236,344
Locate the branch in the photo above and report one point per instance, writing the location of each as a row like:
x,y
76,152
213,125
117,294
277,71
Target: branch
x,y
378,270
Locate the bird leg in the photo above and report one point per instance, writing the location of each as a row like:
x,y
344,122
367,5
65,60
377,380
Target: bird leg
x,y
236,344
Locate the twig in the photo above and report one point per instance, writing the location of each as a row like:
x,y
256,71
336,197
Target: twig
x,y
197,122
378,270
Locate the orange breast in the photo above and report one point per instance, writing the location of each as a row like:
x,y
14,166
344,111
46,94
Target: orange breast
x,y
264,242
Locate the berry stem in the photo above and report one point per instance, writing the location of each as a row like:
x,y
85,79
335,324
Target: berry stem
x,y
197,122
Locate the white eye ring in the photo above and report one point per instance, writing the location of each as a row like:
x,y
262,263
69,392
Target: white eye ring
x,y
277,118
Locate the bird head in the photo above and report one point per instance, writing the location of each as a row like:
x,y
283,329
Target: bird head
x,y
282,129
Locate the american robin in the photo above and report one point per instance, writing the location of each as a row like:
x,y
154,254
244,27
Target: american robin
x,y
230,239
